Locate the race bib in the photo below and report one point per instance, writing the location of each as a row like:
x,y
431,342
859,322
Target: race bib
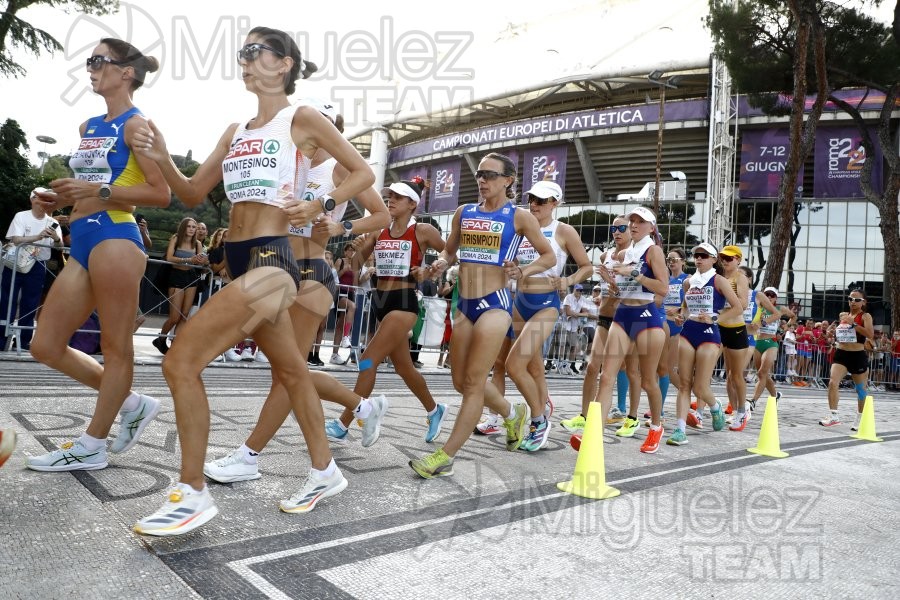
x,y
393,257
845,334
699,300
479,241
91,161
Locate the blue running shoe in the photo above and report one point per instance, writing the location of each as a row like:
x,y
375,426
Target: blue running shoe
x,y
435,422
334,431
718,419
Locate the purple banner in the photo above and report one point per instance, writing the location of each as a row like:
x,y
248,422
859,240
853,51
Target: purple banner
x,y
587,120
840,158
763,158
444,187
544,164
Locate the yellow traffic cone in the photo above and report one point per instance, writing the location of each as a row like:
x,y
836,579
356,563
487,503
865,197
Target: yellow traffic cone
x,y
867,423
768,443
589,479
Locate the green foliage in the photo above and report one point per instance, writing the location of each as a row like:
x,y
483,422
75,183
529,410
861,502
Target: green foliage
x,y
15,33
16,178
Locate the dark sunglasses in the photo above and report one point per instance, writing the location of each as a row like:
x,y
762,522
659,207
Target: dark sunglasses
x,y
770,295
673,258
855,299
700,255
726,258
488,175
539,201
619,228
250,52
96,62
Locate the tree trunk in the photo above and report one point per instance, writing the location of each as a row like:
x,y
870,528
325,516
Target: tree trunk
x,y
802,136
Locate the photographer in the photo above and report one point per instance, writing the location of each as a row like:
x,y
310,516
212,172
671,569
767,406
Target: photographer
x,y
39,233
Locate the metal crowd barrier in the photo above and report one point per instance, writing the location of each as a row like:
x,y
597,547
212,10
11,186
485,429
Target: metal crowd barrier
x,y
12,331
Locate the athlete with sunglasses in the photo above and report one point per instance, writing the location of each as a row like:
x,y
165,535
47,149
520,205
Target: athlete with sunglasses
x,y
264,163
108,259
850,357
486,236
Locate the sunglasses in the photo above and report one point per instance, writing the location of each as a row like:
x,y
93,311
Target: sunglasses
x,y
727,258
619,228
770,295
96,62
855,299
250,52
539,201
488,175
701,256
673,258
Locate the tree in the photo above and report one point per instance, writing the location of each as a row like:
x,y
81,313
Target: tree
x,y
766,44
16,33
16,179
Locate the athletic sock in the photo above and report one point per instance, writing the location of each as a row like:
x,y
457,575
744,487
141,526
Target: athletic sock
x,y
91,443
433,410
622,391
538,420
682,424
715,407
249,455
664,387
512,412
363,409
131,402
326,472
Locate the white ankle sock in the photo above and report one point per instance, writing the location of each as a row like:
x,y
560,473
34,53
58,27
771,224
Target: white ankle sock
x,y
249,455
363,409
512,411
131,402
91,443
326,472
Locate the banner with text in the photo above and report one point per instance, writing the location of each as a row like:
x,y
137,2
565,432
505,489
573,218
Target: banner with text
x,y
544,164
763,159
444,187
840,158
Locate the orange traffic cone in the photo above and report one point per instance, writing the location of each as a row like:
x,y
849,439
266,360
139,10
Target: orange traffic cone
x,y
589,479
768,443
867,423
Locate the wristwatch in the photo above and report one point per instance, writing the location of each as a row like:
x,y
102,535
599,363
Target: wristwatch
x,y
635,273
714,318
105,192
348,227
328,203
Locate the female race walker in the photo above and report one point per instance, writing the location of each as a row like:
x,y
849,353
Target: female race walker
x,y
765,324
107,260
706,295
487,236
184,249
735,339
850,357
262,163
399,254
536,307
317,292
638,325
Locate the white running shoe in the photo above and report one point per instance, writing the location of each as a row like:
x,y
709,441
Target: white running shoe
x,y
371,427
71,456
313,490
830,420
337,360
247,353
185,509
855,426
490,424
132,424
260,357
231,468
345,341
232,356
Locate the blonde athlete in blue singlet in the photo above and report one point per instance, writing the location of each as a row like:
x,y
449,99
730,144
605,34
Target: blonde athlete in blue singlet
x,y
263,162
107,260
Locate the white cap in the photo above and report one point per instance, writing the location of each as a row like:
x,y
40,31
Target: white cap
x,y
706,247
326,107
644,213
546,189
402,189
771,289
38,190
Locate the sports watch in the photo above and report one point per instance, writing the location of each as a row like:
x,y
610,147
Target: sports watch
x,y
635,273
105,192
328,203
714,318
348,227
